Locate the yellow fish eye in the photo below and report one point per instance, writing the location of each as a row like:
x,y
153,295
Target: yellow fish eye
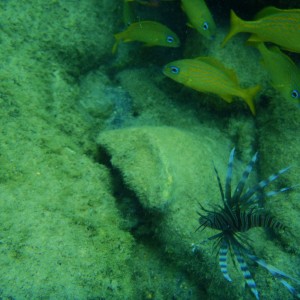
x,y
205,26
170,39
174,70
295,94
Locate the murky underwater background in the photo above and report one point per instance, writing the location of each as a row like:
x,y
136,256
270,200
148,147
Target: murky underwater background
x,y
104,160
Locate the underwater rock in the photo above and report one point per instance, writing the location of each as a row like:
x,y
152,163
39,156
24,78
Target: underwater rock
x,y
61,235
279,147
162,164
78,34
103,104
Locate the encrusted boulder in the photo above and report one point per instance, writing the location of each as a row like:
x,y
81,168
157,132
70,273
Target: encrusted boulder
x,y
163,164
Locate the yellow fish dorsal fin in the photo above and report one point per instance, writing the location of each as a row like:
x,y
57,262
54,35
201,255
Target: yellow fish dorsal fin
x,y
217,64
272,10
266,12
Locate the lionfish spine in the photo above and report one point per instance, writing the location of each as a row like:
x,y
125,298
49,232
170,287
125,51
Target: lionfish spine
x,y
262,184
246,273
274,193
239,189
229,176
276,273
220,185
223,260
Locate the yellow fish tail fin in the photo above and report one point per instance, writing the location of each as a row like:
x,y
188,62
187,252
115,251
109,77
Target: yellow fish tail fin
x,y
236,26
250,94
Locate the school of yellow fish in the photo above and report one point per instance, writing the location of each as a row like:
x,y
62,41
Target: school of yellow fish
x,y
279,28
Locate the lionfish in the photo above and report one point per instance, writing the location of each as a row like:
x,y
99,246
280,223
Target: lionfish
x,y
239,213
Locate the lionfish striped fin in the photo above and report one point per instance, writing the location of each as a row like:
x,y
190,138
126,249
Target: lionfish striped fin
x,y
285,189
262,184
276,273
291,289
255,198
229,176
223,260
246,273
239,189
220,185
258,197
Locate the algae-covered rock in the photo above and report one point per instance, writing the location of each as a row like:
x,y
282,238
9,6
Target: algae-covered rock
x,y
279,144
161,163
103,104
79,33
60,231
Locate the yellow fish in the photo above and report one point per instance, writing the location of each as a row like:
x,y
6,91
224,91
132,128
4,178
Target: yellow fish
x,y
279,26
284,74
199,17
149,32
208,75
